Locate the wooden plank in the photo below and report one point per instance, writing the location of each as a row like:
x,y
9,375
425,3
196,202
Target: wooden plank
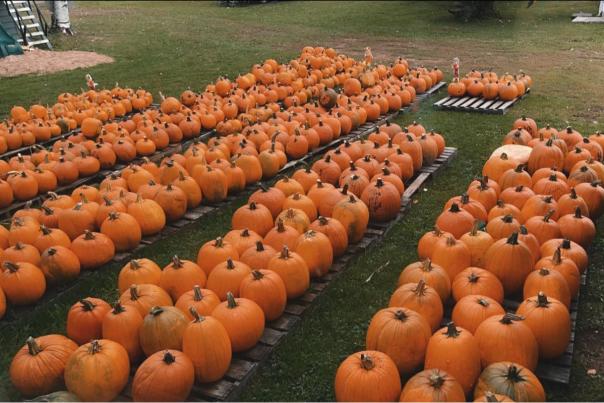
x,y
219,390
417,183
284,322
272,337
239,369
442,101
295,309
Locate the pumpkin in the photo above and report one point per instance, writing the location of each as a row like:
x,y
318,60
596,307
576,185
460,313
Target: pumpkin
x,y
162,329
59,264
454,350
144,296
226,277
568,204
578,228
492,397
549,321
255,217
497,165
203,300
75,221
85,319
213,182
138,271
206,342
432,274
509,253
173,201
22,283
257,256
569,249
564,266
470,311
456,221
510,379
551,186
515,177
93,249
51,237
243,320
382,199
166,376
369,376
214,252
180,276
402,334
425,245
123,230
105,367
37,368
545,155
539,205
305,177
593,194
272,198
21,253
476,281
485,191
502,227
282,235
353,214
266,288
432,385
507,338
517,196
420,298
315,248
301,202
471,206
148,214
451,255
477,242
289,186
122,325
292,269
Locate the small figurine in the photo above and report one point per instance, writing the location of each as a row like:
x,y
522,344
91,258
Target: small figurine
x,y
456,68
90,82
368,56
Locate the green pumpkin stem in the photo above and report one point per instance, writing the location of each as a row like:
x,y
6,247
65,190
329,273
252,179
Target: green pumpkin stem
x,y
231,302
196,316
87,305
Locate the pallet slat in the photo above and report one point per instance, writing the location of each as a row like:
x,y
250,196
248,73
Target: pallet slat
x,y
477,104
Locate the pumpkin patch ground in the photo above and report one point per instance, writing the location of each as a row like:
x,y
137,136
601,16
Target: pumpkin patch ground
x,y
160,46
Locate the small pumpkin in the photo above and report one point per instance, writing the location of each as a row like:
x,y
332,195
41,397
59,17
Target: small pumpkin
x,y
255,217
470,311
93,249
477,281
180,276
22,283
145,296
214,252
293,270
420,298
138,271
203,300
166,376
243,320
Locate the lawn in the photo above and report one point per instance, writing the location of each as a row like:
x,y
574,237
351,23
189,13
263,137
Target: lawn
x,y
170,46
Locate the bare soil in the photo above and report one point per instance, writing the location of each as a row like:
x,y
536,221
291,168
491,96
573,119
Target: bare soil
x,y
40,62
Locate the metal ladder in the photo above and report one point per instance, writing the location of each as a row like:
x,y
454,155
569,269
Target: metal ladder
x,y
33,27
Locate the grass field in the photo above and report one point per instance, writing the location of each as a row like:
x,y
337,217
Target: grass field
x,y
169,46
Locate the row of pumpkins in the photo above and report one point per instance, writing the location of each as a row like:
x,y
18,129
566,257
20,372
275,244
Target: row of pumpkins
x,y
302,127
521,231
186,320
50,245
487,85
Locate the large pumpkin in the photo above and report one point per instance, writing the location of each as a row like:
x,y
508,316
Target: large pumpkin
x,y
165,376
510,379
507,338
85,320
97,371
454,349
227,277
369,376
354,216
509,253
432,385
243,320
38,367
293,270
549,321
266,288
162,329
315,248
402,334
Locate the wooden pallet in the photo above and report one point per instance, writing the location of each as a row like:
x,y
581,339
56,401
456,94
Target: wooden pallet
x,y
477,104
246,364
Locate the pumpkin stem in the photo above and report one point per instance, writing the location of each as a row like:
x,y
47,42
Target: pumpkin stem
x,y
450,241
473,278
285,252
421,288
257,274
565,244
427,265
519,188
542,300
436,380
169,358
45,230
156,310
573,193
452,330
51,251
454,208
322,220
557,258
513,239
32,346
135,265
196,316
253,206
176,262
87,305
400,315
134,293
231,302
508,318
490,397
95,347
88,235
218,242
230,265
548,215
514,375
367,362
344,190
508,218
118,308
483,302
578,213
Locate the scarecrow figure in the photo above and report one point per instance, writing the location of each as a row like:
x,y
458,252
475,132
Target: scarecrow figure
x,y
456,68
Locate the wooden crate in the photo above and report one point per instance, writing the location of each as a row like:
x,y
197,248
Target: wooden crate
x,y
477,104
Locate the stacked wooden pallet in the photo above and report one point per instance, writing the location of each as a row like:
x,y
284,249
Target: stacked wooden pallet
x,y
477,104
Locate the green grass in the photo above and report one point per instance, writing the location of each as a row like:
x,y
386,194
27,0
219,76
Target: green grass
x,y
169,46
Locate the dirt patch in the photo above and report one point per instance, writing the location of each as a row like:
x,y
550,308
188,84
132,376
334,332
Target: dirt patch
x,y
39,61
